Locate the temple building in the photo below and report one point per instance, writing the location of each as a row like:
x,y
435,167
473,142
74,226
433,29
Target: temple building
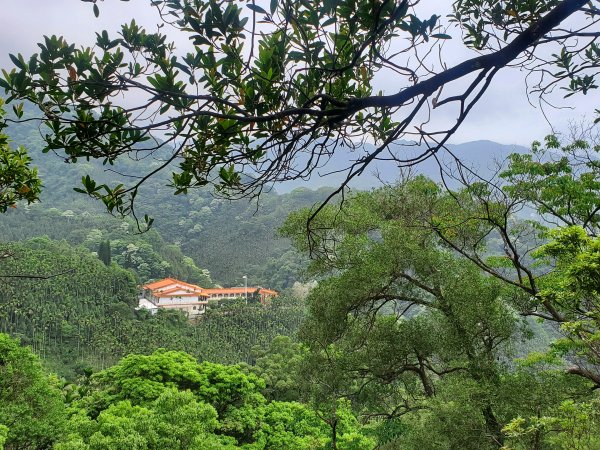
x,y
170,293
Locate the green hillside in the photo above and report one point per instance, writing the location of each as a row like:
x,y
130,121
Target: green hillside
x,y
83,315
230,239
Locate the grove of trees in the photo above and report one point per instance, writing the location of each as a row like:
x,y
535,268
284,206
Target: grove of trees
x,y
425,307
165,400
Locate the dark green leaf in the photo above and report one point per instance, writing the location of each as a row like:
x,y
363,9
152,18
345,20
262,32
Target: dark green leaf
x,y
256,8
16,61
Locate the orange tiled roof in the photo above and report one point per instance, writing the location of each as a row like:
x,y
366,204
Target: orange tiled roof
x,y
193,286
233,290
177,305
160,283
188,290
162,288
165,282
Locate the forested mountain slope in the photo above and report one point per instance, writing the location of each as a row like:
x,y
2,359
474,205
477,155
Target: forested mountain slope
x,y
228,238
83,316
147,255
461,372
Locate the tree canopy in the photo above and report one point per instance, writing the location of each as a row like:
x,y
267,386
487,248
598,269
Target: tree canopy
x,y
552,258
32,414
419,316
270,91
169,400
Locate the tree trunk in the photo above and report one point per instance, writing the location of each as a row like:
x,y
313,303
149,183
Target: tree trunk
x,y
493,426
334,434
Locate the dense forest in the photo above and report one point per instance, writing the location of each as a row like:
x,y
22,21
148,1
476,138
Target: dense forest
x,y
83,317
453,310
441,319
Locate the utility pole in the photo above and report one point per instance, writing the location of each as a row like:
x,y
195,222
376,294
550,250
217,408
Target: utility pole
x,y
245,277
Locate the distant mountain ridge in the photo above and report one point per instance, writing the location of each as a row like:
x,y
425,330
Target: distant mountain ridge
x,y
480,155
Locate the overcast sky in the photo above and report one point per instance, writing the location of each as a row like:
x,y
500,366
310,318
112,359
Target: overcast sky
x,y
503,115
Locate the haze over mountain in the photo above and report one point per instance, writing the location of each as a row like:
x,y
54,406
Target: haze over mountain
x,y
481,156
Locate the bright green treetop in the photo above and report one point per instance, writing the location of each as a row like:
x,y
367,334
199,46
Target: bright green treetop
x,y
32,413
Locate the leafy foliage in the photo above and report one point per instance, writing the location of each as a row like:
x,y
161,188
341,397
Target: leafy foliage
x,y
279,364
267,84
169,400
410,331
555,267
18,180
573,285
32,413
560,181
571,426
175,420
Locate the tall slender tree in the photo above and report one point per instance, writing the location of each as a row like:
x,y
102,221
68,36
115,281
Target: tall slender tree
x,y
104,252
